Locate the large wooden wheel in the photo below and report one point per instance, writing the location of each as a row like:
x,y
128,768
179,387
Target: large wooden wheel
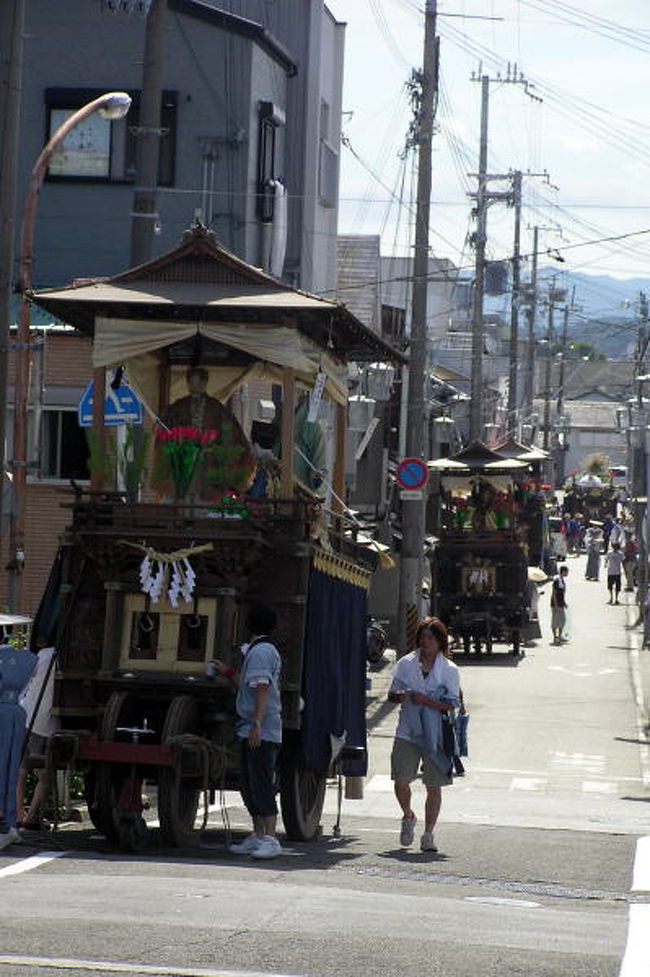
x,y
178,797
105,781
302,795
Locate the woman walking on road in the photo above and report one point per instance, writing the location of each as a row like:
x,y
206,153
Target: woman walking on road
x,y
426,685
593,541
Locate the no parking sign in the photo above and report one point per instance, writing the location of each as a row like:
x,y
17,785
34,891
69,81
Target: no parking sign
x,y
412,474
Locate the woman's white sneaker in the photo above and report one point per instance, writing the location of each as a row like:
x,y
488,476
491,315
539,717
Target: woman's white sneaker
x,y
407,832
427,843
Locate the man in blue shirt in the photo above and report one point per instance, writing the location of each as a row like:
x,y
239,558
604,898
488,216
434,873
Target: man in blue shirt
x,y
259,730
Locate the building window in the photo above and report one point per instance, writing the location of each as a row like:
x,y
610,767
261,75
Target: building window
x,y
65,451
86,151
100,150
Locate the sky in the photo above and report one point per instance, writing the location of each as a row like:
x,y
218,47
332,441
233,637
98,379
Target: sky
x,y
590,133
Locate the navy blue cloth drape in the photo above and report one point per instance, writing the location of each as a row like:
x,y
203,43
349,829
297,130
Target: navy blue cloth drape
x,y
334,676
47,616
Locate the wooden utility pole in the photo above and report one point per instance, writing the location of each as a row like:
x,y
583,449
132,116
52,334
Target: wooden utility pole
x,y
476,389
144,215
14,21
413,510
514,307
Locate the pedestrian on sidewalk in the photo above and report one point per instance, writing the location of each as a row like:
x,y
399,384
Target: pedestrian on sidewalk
x,y
614,564
259,730
630,557
419,680
559,604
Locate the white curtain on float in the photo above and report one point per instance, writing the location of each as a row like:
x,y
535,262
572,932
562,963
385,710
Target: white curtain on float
x,y
132,342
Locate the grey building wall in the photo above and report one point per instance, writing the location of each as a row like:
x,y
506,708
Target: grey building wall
x,y
83,228
316,41
397,274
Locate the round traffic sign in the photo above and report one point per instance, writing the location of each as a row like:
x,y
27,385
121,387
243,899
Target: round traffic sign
x,y
412,473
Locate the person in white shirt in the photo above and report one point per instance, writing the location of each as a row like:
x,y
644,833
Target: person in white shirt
x,y
417,682
614,564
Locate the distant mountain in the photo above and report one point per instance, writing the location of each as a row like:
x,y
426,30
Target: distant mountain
x,y
607,310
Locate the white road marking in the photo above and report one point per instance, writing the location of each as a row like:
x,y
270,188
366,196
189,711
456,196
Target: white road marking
x,y
637,951
641,874
107,966
599,787
29,864
501,901
586,673
528,783
583,761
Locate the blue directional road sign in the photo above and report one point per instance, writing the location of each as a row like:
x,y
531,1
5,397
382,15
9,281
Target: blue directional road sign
x,y
121,406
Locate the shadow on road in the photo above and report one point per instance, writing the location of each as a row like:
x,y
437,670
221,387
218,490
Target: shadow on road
x,y
408,857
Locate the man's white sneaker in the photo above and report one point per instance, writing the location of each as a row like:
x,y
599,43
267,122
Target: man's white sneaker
x,y
427,843
269,847
407,833
16,836
247,846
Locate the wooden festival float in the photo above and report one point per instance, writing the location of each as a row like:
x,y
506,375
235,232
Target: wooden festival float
x,y
154,577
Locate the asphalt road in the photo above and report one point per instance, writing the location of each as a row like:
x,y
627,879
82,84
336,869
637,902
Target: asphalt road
x,y
540,869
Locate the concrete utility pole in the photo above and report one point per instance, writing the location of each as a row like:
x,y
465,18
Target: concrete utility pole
x,y
640,477
529,388
549,363
14,21
149,133
561,456
413,510
514,307
476,388
568,309
483,198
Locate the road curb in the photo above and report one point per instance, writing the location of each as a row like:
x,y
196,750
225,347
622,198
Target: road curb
x,y
641,693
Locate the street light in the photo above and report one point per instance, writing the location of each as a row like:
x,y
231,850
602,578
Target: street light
x,y
112,105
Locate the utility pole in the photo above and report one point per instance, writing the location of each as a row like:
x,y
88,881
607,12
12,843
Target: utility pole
x,y
514,307
413,510
640,477
549,363
483,199
14,20
561,456
476,388
568,308
149,134
529,389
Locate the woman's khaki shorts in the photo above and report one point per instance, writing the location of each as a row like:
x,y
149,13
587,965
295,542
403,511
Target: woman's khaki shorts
x,y
405,762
